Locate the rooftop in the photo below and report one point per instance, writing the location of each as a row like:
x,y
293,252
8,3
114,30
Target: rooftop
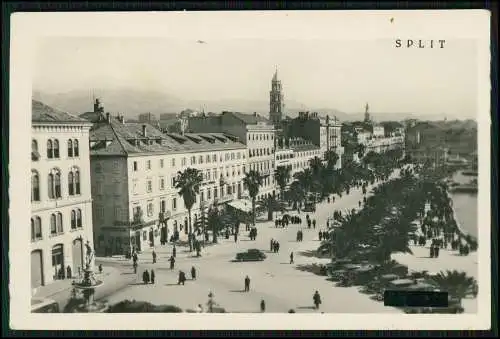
x,y
44,113
249,119
118,138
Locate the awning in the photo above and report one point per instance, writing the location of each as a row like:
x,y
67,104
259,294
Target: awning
x,y
243,205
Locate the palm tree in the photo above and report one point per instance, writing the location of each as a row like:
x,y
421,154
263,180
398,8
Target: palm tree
x,y
270,204
305,179
214,221
316,166
282,176
253,181
456,283
188,183
295,194
331,158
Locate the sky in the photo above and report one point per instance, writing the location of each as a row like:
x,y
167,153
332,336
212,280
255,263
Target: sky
x,y
335,74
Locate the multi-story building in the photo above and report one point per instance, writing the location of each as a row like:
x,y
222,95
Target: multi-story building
x,y
256,132
61,203
134,167
322,132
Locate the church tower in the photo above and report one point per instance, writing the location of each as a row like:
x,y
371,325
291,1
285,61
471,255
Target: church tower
x,y
276,105
367,115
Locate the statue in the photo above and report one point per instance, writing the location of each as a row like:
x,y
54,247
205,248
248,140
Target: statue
x,y
89,256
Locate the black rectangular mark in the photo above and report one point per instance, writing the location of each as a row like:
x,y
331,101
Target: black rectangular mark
x,y
402,298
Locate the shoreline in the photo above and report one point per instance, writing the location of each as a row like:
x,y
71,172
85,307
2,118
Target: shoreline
x,y
460,228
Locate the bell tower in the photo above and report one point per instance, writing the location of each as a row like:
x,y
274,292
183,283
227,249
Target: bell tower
x,y
276,105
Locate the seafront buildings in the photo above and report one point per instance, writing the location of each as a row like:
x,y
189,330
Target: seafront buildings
x,y
134,166
61,202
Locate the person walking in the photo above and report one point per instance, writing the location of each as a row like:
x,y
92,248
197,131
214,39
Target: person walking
x,y
320,235
135,267
316,299
174,251
145,277
152,276
291,258
314,223
262,306
193,273
182,278
172,262
247,284
154,256
272,245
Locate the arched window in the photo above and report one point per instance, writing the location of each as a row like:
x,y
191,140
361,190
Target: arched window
x,y
50,151
53,228
73,219
35,186
71,183
57,184
32,230
70,148
77,181
59,223
38,228
34,150
76,150
56,148
79,223
50,186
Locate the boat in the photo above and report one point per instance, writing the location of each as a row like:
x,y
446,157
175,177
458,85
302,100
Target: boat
x,y
469,173
469,188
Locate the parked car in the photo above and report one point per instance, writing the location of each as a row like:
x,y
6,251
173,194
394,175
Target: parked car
x,y
251,255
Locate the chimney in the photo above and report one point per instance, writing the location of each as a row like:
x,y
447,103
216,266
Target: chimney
x,y
144,133
108,117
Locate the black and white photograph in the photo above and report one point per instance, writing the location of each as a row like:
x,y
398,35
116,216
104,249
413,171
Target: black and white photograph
x,y
333,165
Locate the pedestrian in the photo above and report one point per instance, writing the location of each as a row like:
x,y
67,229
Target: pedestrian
x,y
262,305
247,284
271,245
174,251
277,247
436,252
100,268
145,277
314,223
316,299
172,262
291,258
193,273
154,256
182,278
152,276
431,249
135,267
199,309
236,237
320,235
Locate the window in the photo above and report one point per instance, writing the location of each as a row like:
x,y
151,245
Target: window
x,y
76,150
202,196
71,184
215,192
183,161
135,166
149,186
214,158
56,148
162,183
209,193
172,181
70,148
200,159
239,155
73,219
232,156
59,220
148,164
161,163
35,186
207,158
74,181
53,229
54,184
163,206
79,218
150,209
173,162
36,228
50,150
34,150
145,235
174,203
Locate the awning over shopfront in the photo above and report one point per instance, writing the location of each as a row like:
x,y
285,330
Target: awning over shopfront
x,y
242,205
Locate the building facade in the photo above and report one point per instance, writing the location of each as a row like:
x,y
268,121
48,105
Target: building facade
x,y
255,131
134,167
61,203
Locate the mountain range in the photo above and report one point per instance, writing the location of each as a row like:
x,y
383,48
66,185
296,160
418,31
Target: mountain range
x,y
131,102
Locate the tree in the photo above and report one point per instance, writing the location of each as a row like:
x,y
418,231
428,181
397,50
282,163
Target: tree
x,y
295,194
316,166
270,204
331,158
360,150
214,222
253,181
305,179
188,183
282,176
456,283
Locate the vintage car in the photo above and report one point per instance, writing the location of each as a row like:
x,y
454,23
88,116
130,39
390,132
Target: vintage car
x,y
251,255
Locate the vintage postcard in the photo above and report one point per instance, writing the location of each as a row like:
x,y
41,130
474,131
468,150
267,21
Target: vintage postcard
x,y
250,170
